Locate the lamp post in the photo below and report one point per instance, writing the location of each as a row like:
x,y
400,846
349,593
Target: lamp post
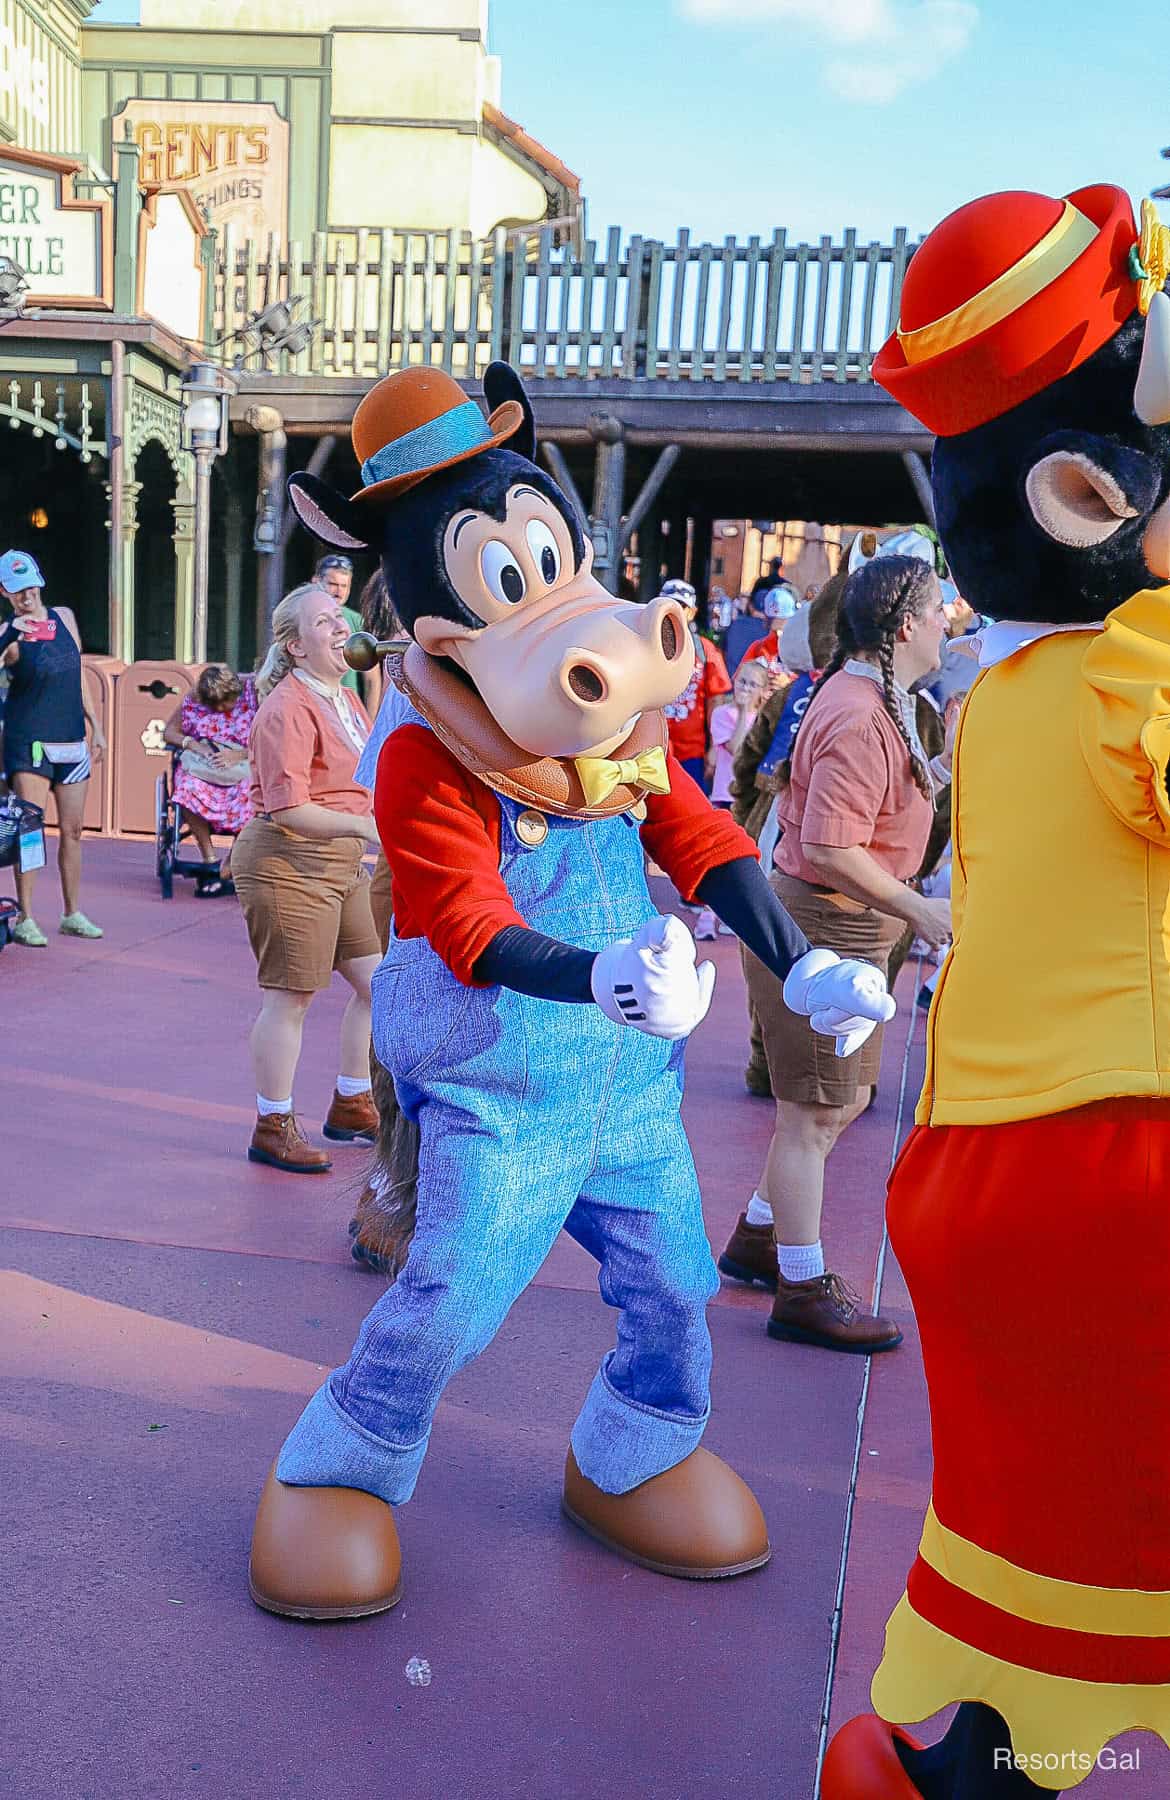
x,y
206,390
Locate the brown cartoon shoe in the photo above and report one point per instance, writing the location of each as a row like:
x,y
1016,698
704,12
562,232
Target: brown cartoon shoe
x,y
697,1520
323,1553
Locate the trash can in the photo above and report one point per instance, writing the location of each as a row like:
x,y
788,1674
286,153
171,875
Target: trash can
x,y
145,696
99,675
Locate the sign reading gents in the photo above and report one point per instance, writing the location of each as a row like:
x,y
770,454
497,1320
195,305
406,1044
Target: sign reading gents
x,y
230,156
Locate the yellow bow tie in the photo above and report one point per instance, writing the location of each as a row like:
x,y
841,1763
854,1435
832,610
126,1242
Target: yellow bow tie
x,y
599,776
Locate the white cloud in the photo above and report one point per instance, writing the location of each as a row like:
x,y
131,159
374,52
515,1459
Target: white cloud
x,y
845,21
888,45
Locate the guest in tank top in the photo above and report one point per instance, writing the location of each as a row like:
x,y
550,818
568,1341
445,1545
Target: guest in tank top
x,y
45,720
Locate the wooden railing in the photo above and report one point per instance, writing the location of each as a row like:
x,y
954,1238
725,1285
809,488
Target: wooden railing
x,y
744,312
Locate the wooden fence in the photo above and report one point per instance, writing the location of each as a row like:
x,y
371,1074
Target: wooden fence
x,y
745,312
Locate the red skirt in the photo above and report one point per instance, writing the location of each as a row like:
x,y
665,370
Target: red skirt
x,y
1037,1255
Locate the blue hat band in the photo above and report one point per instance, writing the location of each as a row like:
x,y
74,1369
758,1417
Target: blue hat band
x,y
463,428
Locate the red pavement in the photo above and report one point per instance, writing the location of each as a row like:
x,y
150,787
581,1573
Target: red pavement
x,y
168,1308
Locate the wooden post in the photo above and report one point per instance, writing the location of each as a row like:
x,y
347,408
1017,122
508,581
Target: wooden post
x,y
268,424
130,493
915,467
128,204
114,488
554,456
609,481
208,252
651,488
700,575
190,628
233,532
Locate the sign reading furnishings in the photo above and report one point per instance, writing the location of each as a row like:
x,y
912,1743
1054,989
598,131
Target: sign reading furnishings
x,y
230,156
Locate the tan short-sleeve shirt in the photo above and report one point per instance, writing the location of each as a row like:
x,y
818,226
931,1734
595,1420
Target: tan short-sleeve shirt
x,y
852,783
300,752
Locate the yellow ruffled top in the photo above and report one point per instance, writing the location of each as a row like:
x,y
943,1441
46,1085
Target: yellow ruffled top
x,y
1062,853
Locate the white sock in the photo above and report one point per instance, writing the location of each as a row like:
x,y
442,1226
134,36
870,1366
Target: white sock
x,y
758,1211
264,1107
348,1085
800,1262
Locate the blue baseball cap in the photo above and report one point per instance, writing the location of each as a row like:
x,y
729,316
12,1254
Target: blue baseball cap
x,y
18,570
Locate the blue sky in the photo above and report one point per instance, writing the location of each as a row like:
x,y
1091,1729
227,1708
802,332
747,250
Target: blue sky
x,y
734,116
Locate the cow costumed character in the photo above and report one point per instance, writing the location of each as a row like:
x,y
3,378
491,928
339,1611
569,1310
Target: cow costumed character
x,y
532,1007
1029,1207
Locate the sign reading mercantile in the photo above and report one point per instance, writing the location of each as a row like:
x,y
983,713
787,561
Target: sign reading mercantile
x,y
63,244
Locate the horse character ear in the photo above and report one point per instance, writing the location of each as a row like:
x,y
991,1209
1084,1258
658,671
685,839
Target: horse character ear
x,y
500,383
326,513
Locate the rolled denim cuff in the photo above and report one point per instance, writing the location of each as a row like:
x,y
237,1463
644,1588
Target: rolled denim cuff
x,y
620,1443
326,1448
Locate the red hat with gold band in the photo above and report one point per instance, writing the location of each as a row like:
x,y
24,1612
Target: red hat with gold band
x,y
1010,293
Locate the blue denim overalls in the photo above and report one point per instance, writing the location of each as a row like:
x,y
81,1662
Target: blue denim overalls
x,y
533,1115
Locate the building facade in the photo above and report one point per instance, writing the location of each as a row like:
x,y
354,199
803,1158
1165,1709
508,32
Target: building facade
x,y
321,116
137,164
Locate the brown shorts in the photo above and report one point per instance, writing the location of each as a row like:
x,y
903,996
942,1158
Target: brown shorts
x,y
306,905
803,1063
382,899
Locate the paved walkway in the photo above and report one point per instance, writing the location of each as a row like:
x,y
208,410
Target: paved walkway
x,y
167,1309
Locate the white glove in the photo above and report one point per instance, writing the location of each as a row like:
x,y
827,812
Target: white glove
x,y
650,980
842,999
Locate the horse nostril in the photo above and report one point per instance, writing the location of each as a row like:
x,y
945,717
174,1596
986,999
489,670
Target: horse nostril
x,y
586,683
670,638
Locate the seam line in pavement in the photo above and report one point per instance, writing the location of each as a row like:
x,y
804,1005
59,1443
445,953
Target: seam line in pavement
x,y
145,1243
863,1400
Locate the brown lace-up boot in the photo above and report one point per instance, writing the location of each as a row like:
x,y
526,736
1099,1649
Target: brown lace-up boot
x,y
826,1312
751,1255
279,1141
351,1116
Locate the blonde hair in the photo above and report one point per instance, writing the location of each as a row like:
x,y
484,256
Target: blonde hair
x,y
286,624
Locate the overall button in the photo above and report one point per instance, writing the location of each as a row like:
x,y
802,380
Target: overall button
x,y
532,829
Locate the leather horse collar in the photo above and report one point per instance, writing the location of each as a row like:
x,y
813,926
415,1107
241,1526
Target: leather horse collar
x,y
461,721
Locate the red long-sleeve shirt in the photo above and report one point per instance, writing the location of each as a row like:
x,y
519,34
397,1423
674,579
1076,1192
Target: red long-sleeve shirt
x,y
440,829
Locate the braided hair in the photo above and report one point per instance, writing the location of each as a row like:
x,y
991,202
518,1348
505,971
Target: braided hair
x,y
877,597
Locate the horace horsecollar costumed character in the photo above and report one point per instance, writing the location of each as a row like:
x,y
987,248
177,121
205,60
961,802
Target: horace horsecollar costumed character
x,y
532,1006
1030,1209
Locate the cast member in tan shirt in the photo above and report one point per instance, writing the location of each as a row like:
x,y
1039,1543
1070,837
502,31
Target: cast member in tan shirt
x,y
299,874
856,814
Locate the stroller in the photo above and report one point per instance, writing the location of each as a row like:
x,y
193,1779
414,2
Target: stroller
x,y
22,846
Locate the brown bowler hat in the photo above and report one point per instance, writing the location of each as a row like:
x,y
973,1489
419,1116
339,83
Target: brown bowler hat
x,y
418,421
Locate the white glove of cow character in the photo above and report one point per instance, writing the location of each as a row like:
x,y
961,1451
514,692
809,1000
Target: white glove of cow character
x,y
650,980
842,999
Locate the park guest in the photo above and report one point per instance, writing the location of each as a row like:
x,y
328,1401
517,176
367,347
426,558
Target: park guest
x,y
299,874
46,718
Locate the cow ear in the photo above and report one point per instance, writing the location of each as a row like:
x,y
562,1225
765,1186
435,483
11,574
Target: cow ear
x,y
1082,489
326,513
500,383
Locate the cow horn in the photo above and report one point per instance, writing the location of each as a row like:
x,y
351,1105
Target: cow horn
x,y
1151,396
